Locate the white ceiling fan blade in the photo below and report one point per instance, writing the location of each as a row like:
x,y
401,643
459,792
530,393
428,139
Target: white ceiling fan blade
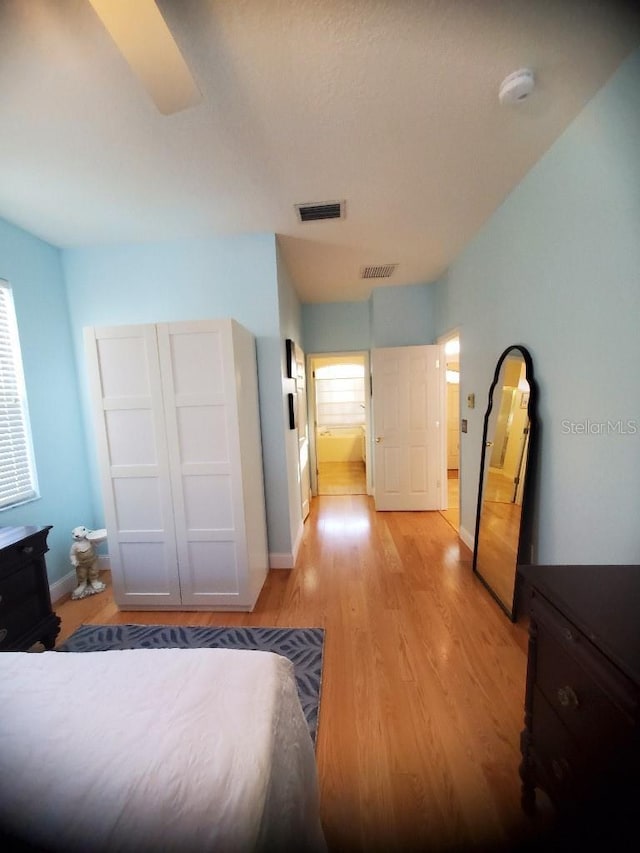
x,y
142,36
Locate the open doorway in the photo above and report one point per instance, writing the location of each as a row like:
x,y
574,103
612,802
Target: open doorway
x,y
339,423
451,345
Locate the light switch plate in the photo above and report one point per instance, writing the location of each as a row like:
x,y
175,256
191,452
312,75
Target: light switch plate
x,y
471,401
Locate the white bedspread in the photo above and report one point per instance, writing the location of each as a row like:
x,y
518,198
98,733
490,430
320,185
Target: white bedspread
x,y
156,749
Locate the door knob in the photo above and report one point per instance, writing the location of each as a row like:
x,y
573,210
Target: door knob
x,y
378,439
489,444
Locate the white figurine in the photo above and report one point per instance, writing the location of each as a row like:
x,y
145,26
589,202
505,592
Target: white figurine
x,y
85,561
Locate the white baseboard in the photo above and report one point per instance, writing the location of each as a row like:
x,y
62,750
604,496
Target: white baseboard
x,y
287,561
66,584
63,586
298,543
281,561
467,538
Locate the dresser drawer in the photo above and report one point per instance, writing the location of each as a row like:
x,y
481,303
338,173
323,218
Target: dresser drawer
x,y
18,586
562,766
19,622
581,741
21,603
596,702
588,712
21,553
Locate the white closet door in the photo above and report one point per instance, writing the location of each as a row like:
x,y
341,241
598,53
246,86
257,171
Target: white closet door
x,y
199,389
129,418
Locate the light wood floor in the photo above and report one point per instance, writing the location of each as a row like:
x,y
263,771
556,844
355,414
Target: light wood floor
x,y
423,680
452,513
342,478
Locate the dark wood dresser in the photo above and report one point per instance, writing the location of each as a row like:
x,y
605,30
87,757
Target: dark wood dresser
x,y
580,744
26,615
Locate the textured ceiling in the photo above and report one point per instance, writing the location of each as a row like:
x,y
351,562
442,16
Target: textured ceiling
x,y
391,106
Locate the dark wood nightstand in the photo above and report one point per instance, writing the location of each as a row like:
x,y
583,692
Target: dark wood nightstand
x,y
26,615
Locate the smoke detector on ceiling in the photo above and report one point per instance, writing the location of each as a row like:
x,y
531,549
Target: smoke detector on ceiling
x,y
516,87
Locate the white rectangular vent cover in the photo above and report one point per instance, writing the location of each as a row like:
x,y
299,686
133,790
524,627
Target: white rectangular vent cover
x,y
379,271
314,211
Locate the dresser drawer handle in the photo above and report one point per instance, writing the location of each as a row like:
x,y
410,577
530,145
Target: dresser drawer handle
x,y
28,549
569,635
3,634
567,697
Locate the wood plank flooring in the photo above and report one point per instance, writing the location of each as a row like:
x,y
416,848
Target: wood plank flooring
x,y
452,513
423,682
342,478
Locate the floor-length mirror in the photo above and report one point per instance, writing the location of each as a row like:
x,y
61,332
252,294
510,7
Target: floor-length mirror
x,y
503,520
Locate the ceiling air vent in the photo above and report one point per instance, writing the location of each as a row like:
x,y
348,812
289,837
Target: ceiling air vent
x,y
320,210
379,271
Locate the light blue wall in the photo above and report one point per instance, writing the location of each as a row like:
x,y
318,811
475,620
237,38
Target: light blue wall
x,y
290,313
402,316
557,268
289,308
336,327
34,270
186,280
393,316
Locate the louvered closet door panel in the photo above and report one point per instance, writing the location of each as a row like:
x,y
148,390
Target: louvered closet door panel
x,y
129,418
198,376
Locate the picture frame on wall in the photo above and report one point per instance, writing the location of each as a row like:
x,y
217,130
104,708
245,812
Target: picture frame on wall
x,y
292,410
290,358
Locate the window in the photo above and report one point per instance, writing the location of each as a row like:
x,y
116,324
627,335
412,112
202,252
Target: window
x,y
17,470
340,395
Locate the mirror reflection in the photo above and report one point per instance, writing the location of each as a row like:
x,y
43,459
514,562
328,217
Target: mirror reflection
x,y
501,533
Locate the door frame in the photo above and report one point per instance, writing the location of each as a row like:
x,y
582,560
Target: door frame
x,y
443,340
311,412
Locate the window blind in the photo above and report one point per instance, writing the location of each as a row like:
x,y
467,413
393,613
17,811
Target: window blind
x,y
17,471
340,394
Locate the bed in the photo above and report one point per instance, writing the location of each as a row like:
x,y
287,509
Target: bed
x,y
156,749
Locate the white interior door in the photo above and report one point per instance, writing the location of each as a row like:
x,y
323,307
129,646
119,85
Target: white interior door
x,y
198,377
129,420
408,427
